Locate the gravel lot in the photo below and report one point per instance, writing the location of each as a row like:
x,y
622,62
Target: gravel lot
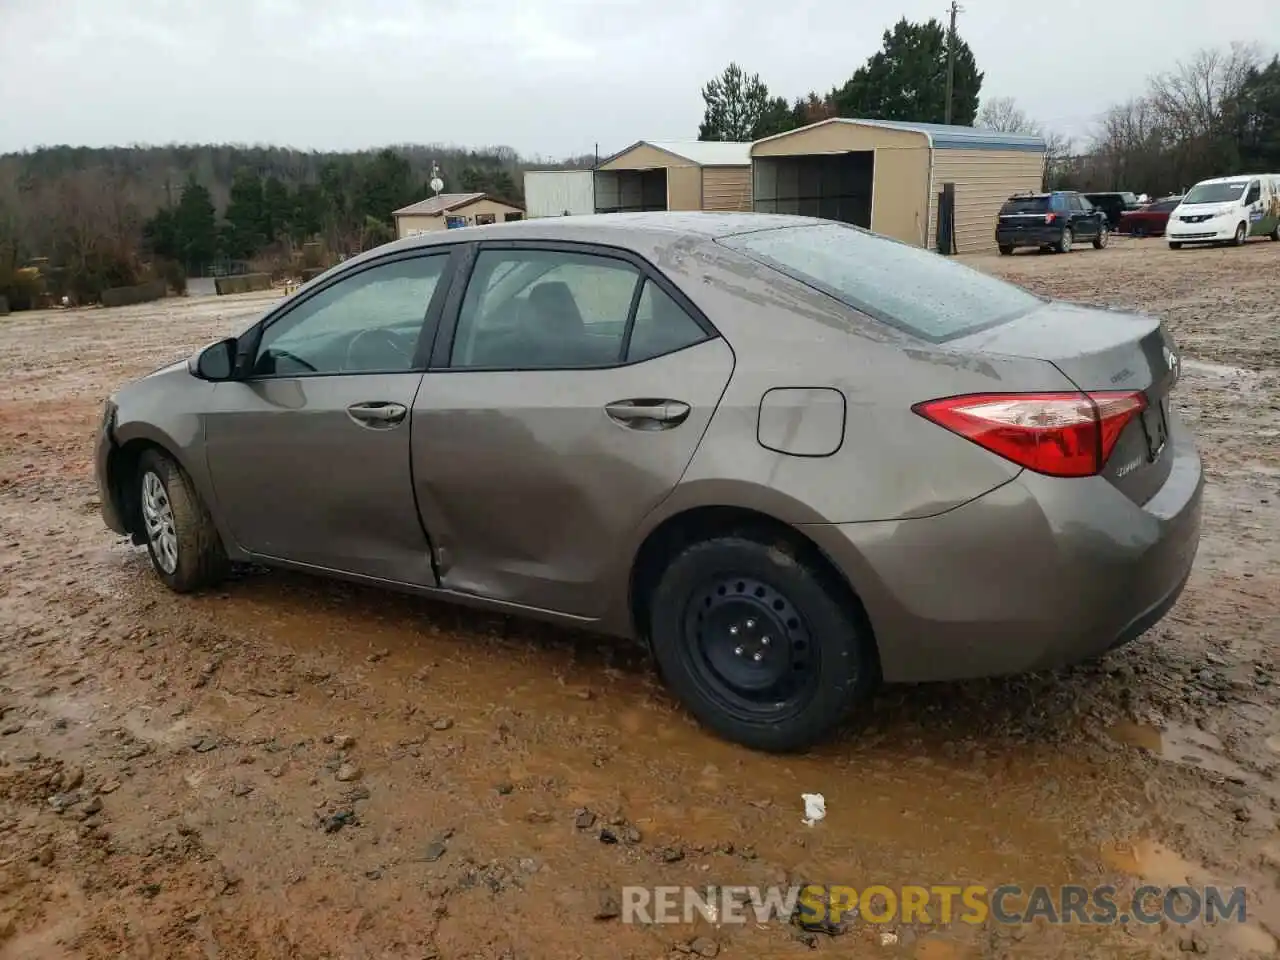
x,y
292,767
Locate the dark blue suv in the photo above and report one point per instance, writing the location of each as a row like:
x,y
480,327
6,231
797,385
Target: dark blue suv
x,y
1050,221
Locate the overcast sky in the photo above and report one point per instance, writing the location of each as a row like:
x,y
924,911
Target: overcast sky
x,y
548,77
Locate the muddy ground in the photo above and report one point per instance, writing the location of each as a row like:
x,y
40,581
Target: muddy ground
x,y
295,768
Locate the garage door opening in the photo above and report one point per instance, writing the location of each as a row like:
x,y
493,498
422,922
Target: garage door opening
x,y
631,191
834,186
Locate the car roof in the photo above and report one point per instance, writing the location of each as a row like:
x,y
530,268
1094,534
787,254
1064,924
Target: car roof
x,y
650,235
627,230
1239,178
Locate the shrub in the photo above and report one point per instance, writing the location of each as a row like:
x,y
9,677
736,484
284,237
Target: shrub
x,y
138,293
25,288
175,276
242,283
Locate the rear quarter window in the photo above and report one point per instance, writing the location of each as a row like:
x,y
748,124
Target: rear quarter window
x,y
923,293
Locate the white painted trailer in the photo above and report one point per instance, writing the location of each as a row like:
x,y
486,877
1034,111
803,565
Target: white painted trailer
x,y
555,193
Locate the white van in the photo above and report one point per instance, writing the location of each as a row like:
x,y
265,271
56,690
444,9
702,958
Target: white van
x,y
1230,209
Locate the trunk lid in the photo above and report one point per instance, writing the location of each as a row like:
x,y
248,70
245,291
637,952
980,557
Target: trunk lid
x,y
1103,350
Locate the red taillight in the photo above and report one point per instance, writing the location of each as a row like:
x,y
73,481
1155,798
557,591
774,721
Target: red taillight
x,y
1050,217
1058,434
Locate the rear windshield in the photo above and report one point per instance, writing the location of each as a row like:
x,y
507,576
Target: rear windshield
x,y
1026,205
907,287
1215,192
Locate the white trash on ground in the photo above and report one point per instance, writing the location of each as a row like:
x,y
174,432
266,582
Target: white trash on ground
x,y
815,808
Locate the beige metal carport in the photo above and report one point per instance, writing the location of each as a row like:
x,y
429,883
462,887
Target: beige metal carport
x,y
675,175
886,175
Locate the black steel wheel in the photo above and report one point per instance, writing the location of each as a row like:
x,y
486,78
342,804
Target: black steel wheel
x,y
759,642
750,648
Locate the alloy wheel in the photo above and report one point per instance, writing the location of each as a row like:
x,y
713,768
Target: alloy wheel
x,y
157,517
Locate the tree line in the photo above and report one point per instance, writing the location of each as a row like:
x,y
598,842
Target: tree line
x,y
95,218
905,80
1215,114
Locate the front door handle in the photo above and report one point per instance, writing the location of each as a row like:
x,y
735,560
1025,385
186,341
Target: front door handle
x,y
648,414
377,413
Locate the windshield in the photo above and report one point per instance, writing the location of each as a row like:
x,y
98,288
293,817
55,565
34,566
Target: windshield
x,y
1215,192
907,287
1025,205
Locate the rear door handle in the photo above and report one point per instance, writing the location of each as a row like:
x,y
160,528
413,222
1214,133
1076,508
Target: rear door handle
x,y
648,413
377,413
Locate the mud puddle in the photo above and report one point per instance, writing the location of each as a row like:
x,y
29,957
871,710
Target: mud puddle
x,y
1186,884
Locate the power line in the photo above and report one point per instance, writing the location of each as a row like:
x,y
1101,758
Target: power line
x,y
954,9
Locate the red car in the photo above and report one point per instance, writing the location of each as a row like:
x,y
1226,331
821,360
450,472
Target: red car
x,y
1149,220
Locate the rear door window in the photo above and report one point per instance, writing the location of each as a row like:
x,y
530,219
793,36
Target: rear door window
x,y
1018,205
927,295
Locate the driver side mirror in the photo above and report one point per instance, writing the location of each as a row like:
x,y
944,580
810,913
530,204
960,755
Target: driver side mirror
x,y
216,361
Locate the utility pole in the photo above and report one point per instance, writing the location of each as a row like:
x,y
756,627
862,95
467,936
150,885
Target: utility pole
x,y
951,59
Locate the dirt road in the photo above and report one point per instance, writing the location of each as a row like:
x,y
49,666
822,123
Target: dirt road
x,y
296,768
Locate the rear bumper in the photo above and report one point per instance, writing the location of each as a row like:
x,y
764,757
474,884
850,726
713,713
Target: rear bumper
x,y
1038,573
1028,237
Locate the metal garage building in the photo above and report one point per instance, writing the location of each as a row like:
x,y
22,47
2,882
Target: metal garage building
x,y
675,175
887,175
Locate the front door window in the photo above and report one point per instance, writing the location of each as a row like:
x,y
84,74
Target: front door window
x,y
366,323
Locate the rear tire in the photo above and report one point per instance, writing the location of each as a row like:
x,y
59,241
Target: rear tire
x,y
1006,249
186,551
1241,235
1275,234
759,644
1066,242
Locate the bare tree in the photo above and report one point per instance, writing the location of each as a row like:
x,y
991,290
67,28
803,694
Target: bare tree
x,y
1057,161
1004,115
1190,98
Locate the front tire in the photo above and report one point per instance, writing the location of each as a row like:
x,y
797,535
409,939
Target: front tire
x,y
1241,235
1006,249
758,643
186,551
1175,245
1100,241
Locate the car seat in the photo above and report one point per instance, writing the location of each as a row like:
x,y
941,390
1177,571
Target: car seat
x,y
559,334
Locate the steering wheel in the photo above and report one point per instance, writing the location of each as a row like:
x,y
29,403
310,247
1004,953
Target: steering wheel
x,y
392,341
276,355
